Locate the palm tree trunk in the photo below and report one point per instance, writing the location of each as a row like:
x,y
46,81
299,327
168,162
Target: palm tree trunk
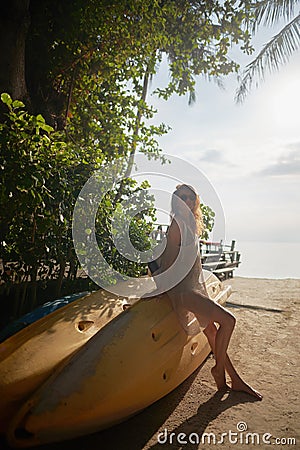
x,y
14,24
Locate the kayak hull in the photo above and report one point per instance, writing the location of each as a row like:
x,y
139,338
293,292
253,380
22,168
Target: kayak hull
x,y
30,356
136,359
38,313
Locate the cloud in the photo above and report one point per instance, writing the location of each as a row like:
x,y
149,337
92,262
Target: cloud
x,y
214,157
286,165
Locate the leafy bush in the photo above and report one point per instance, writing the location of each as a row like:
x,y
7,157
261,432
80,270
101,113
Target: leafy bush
x,y
42,174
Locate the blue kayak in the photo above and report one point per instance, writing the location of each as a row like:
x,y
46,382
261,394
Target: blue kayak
x,y
38,313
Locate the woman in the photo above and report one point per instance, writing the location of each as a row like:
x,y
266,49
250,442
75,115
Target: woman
x,y
186,288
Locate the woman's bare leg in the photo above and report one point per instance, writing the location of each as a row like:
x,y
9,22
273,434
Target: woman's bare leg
x,y
226,325
237,384
206,312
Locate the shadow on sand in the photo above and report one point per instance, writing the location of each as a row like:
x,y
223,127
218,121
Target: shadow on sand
x,y
197,424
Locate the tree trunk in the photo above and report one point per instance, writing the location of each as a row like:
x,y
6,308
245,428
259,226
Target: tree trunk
x,y
14,24
134,137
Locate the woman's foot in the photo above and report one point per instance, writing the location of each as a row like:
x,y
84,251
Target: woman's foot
x,y
241,386
219,377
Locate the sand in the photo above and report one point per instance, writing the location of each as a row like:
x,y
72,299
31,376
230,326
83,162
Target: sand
x,y
265,350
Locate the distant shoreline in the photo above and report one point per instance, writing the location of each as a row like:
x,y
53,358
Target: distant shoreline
x,y
273,260
265,278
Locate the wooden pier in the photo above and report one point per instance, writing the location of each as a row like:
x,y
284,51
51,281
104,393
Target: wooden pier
x,y
219,258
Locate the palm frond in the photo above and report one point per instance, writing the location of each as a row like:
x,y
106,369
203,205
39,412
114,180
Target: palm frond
x,y
269,12
192,98
275,53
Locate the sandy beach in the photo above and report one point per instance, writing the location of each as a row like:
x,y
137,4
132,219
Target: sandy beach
x,y
265,349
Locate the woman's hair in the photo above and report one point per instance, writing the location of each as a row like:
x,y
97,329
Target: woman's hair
x,y
196,209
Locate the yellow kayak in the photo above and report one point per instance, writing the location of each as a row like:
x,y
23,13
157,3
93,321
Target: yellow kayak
x,y
136,359
30,356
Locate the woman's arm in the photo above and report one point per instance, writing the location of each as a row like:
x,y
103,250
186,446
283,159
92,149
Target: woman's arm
x,y
172,248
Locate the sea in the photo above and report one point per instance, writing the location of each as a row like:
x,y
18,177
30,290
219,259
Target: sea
x,y
268,259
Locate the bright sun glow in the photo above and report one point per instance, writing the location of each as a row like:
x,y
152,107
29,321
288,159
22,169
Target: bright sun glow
x,y
282,99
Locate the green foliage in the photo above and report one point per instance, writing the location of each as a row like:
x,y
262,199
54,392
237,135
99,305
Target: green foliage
x,y
34,192
277,51
122,220
208,220
97,53
88,64
40,180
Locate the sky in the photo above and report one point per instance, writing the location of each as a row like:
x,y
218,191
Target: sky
x,y
250,153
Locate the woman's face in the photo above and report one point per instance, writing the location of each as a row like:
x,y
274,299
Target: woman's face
x,y
188,197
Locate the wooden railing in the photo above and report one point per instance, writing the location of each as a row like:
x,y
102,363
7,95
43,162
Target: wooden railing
x,y
221,259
